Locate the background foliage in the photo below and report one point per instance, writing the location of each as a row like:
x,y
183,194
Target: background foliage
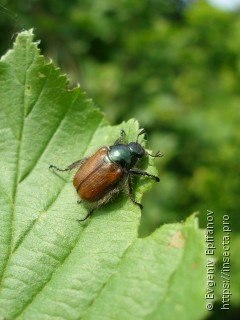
x,y
175,66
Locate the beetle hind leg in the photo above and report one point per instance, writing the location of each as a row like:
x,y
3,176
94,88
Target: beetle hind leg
x,y
70,167
87,216
58,169
100,203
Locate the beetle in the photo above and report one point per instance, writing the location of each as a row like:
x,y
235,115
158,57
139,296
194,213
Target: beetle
x,y
102,175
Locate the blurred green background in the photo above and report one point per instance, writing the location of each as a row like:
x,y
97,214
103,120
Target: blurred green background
x,y
174,66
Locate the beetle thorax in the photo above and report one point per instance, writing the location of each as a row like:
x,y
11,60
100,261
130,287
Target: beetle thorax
x,y
121,154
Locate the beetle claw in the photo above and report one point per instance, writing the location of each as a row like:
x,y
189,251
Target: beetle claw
x,y
83,219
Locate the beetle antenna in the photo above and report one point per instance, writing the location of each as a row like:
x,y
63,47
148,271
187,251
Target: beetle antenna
x,y
140,133
157,155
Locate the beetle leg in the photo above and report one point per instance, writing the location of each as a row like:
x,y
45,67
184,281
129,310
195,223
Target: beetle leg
x,y
157,155
144,173
122,138
87,216
140,133
70,167
122,133
130,192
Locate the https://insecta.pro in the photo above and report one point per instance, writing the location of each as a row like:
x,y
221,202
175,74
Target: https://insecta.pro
x,y
102,175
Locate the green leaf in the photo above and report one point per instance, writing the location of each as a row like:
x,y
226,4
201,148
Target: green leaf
x,y
52,267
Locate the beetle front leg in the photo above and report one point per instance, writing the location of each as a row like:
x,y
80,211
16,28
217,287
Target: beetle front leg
x,y
130,192
70,167
144,173
122,138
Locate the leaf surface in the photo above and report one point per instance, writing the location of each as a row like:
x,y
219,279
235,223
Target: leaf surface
x,y
52,267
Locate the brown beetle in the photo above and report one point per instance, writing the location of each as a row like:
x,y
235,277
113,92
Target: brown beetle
x,y
101,176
